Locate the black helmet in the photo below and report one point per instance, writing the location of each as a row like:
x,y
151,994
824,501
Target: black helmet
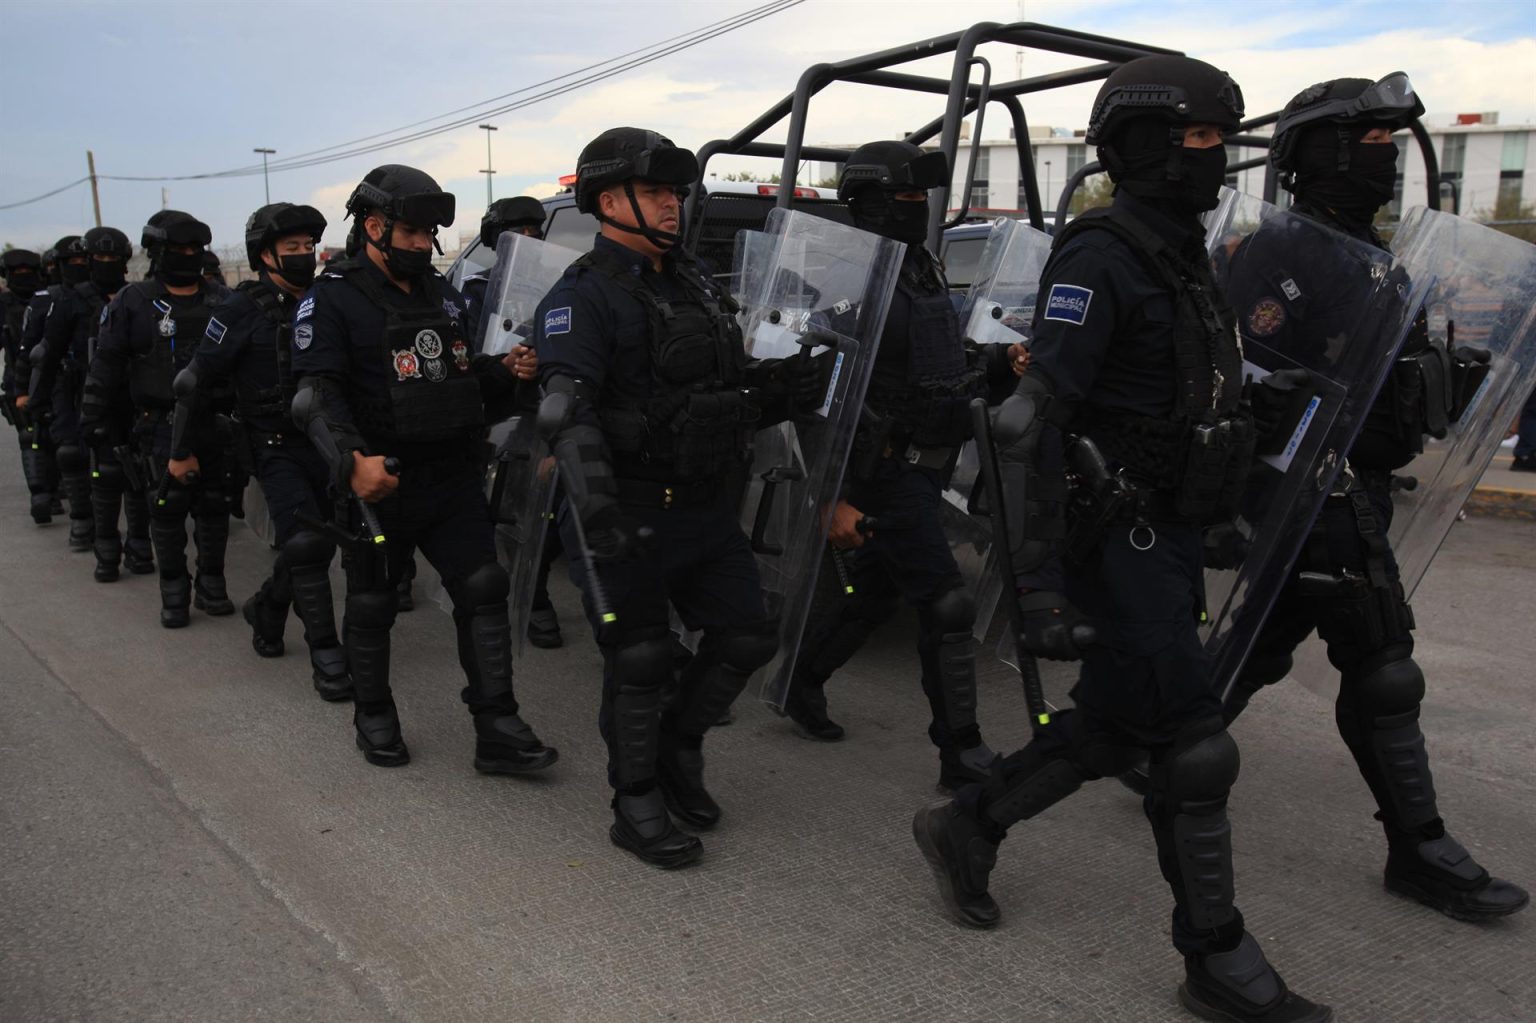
x,y
210,262
622,154
173,227
892,166
108,241
264,227
17,259
402,193
506,214
1390,102
70,246
1181,90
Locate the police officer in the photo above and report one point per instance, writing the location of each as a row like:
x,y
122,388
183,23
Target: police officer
x,y
65,265
22,270
213,273
151,330
523,214
387,385
249,341
59,369
649,415
1333,148
1135,353
916,417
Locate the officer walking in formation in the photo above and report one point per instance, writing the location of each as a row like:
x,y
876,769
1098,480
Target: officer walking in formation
x,y
1127,297
64,266
649,416
916,417
249,341
1333,148
387,387
22,270
59,368
150,332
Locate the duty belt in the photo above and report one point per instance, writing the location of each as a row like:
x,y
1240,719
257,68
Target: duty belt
x,y
668,496
935,458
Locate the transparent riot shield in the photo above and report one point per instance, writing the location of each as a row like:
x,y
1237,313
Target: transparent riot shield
x,y
998,309
1312,299
258,519
526,269
812,289
1482,295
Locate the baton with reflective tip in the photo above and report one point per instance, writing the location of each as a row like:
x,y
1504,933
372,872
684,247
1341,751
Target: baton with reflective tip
x,y
1029,668
181,419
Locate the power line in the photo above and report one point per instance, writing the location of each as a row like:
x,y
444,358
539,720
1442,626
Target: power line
x,y
45,195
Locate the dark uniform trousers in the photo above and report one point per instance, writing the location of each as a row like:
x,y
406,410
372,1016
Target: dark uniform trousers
x,y
111,498
206,501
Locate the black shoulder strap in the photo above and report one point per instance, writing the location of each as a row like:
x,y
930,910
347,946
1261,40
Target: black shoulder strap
x,y
264,298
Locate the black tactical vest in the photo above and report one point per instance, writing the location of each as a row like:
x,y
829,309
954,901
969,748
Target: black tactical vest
x,y
931,407
1201,452
89,304
698,420
15,312
264,390
433,396
169,348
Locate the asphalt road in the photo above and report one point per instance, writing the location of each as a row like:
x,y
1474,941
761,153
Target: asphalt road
x,y
186,833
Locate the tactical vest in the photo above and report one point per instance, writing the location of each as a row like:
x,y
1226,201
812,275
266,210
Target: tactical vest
x,y
698,420
264,392
89,304
1201,454
433,397
932,406
15,312
169,348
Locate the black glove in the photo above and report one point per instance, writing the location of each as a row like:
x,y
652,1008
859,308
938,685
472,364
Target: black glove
x,y
1273,399
1053,628
614,536
795,379
1469,368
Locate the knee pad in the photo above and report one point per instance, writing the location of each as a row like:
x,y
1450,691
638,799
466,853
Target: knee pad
x,y
745,649
1201,772
72,458
953,611
177,502
487,585
306,549
109,476
371,609
1390,693
643,661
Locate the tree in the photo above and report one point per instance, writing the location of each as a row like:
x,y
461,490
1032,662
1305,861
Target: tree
x,y
1096,190
1512,217
772,179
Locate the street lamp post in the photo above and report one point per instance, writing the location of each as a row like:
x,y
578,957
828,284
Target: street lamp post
x,y
488,128
1050,200
266,186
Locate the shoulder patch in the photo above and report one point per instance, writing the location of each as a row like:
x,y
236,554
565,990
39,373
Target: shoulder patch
x,y
305,309
303,334
1068,303
557,321
1288,286
215,331
451,308
1266,317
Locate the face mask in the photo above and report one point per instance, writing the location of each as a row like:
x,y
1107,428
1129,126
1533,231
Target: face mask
x,y
1205,171
24,284
407,263
902,220
180,269
108,274
298,270
1373,166
73,273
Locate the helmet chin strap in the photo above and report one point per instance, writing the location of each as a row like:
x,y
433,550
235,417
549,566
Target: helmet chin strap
x,y
663,240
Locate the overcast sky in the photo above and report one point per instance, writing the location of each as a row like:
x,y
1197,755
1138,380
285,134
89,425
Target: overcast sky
x,y
176,88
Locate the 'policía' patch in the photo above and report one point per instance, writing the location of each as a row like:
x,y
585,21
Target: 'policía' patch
x,y
303,335
1068,303
1266,317
557,321
304,310
215,331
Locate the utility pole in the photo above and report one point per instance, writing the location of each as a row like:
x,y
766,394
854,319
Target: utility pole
x,y
264,184
488,128
164,199
90,163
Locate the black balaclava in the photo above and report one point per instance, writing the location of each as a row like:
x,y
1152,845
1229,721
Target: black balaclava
x,y
1357,192
1146,146
71,273
180,269
24,283
109,274
878,211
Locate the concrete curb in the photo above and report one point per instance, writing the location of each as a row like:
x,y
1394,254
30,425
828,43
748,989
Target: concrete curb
x,y
1502,503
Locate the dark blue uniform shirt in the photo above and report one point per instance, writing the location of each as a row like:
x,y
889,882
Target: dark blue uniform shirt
x,y
131,324
239,345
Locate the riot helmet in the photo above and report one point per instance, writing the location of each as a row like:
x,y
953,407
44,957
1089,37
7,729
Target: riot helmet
x,y
1138,123
876,174
621,156
513,214
110,251
168,231
399,194
22,270
71,263
1318,148
212,271
268,225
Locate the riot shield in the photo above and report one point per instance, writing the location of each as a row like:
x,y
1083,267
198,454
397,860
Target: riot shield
x,y
1483,295
1306,298
526,269
998,309
809,288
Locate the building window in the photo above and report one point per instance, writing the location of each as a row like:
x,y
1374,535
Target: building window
x,y
1453,156
1507,207
1234,155
979,192
1514,151
1395,208
1077,155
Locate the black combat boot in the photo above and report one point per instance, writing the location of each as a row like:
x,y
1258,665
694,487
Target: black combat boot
x,y
1239,986
642,826
962,850
266,622
210,595
329,673
138,551
175,597
544,628
961,767
807,709
504,744
108,542
680,775
1440,873
373,713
